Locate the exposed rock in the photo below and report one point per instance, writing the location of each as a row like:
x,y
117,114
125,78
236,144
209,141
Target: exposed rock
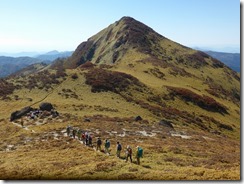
x,y
166,123
46,106
138,118
18,114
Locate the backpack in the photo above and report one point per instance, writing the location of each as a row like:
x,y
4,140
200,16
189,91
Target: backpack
x,y
140,152
107,144
99,141
83,136
119,147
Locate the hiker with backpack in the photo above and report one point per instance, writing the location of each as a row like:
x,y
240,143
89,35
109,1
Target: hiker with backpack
x,y
79,134
99,143
83,138
128,153
89,140
119,148
107,146
68,130
87,137
74,133
139,154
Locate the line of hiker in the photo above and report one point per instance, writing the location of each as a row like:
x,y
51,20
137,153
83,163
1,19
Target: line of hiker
x,y
86,138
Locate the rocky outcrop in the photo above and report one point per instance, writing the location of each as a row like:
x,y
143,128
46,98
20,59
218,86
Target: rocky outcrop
x,y
18,114
166,123
46,106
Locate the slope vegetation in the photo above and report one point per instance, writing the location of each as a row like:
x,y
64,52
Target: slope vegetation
x,y
189,103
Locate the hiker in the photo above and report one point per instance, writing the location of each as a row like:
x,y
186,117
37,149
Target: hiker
x,y
79,134
86,137
83,138
90,140
22,122
54,113
68,130
139,154
99,143
128,153
74,133
119,148
32,116
36,113
107,146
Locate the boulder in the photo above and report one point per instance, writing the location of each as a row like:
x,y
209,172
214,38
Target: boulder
x,y
138,118
18,114
87,120
166,123
46,106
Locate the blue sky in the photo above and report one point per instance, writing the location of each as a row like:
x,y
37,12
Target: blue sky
x,y
44,25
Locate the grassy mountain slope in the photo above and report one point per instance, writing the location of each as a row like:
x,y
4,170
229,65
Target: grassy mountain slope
x,y
124,71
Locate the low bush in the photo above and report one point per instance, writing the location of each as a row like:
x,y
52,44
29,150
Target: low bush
x,y
44,79
175,70
218,123
74,76
203,101
6,88
105,80
87,65
197,60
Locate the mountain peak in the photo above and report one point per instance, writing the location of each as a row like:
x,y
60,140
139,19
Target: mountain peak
x,y
53,52
133,25
112,43
126,18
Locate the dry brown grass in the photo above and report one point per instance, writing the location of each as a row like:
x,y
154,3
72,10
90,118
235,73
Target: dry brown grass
x,y
43,152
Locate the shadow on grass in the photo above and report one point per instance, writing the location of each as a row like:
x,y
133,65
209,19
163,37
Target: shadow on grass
x,y
147,166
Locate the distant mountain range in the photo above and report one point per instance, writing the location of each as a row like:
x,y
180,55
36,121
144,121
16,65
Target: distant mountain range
x,y
21,54
10,65
232,60
52,55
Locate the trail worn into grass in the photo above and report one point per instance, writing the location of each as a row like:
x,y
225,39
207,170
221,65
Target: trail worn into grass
x,y
47,153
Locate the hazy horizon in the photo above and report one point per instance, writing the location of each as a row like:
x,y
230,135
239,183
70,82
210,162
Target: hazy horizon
x,y
33,53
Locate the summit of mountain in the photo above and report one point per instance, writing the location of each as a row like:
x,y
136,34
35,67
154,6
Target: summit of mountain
x,y
111,44
129,40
